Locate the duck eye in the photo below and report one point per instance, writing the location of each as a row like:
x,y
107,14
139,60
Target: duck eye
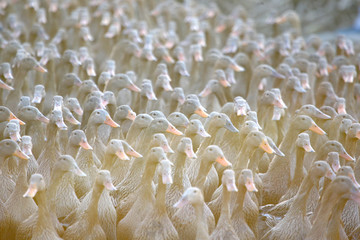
x,y
219,116
318,164
210,149
195,191
177,115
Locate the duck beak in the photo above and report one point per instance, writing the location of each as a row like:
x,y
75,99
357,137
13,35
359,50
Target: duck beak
x,y
167,148
358,134
121,155
341,109
43,119
330,174
168,59
190,152
321,115
241,111
224,83
173,130
181,203
201,112
39,68
5,86
203,133
20,154
110,186
353,179
79,111
167,87
223,161
316,129
308,148
151,95
61,125
131,115
346,156
31,191
229,126
37,98
72,120
85,145
280,20
12,116
133,88
134,154
280,103
277,75
237,68
15,136
250,185
266,147
335,166
111,122
205,92
78,172
231,186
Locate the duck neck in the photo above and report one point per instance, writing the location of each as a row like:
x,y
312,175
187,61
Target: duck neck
x,y
240,198
286,145
21,182
72,149
51,132
160,196
299,172
254,160
321,220
299,204
148,176
243,157
92,210
44,217
335,222
55,180
225,208
91,132
351,145
204,169
108,161
179,167
202,231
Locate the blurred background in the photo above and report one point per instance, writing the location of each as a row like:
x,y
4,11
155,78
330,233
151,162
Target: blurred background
x,y
317,16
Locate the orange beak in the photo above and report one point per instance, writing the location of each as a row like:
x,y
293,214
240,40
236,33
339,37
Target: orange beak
x,y
31,192
265,146
201,112
316,129
223,162
12,116
111,122
85,145
131,115
122,155
18,153
173,130
250,186
40,69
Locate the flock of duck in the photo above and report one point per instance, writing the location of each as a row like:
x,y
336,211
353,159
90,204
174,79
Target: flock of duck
x,y
166,120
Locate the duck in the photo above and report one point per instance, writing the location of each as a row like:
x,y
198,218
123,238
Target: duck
x,y
8,148
273,193
87,159
245,183
157,223
193,196
126,228
43,227
296,215
181,220
341,186
181,181
224,227
88,223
